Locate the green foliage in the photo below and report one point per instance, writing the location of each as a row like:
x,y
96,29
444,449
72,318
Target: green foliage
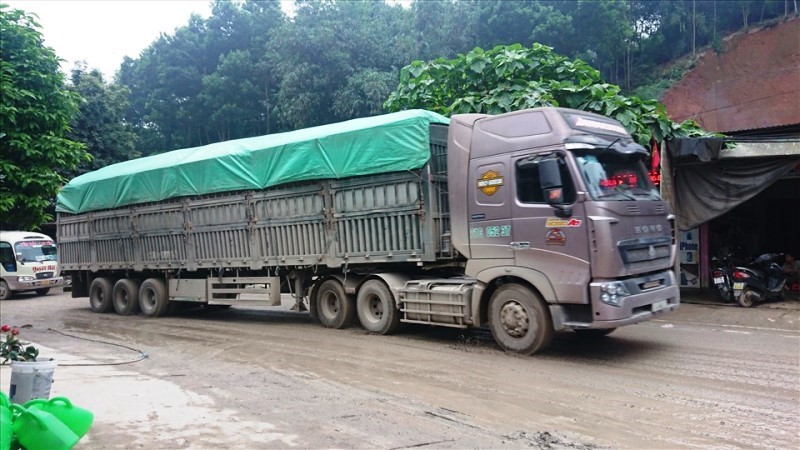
x,y
100,120
513,77
35,112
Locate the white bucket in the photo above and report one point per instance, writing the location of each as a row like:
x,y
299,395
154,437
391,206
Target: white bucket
x,y
30,380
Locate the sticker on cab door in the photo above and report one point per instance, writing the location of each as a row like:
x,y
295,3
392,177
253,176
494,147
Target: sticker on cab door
x,y
554,222
489,183
555,236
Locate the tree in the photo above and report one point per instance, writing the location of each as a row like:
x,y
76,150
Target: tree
x,y
35,112
100,120
509,78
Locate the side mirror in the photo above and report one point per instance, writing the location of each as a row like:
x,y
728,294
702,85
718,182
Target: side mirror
x,y
19,258
549,174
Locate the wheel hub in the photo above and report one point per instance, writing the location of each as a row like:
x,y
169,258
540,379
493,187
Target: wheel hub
x,y
376,307
514,319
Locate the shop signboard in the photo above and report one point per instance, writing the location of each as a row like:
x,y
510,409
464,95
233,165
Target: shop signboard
x,y
689,254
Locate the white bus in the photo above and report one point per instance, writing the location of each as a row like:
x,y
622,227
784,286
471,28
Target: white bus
x,y
28,262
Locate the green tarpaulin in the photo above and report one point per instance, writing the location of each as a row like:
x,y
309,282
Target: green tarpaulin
x,y
387,143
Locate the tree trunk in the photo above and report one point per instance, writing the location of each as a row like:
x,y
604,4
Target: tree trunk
x,y
694,25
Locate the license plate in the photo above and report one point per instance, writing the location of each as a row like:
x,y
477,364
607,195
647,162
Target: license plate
x,y
719,280
658,306
738,286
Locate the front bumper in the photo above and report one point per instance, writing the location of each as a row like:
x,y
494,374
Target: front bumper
x,y
20,286
643,304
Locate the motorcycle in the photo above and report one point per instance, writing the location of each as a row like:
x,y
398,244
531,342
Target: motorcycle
x,y
721,272
761,280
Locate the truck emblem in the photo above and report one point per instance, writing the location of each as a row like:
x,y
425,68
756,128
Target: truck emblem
x,y
651,252
489,183
553,222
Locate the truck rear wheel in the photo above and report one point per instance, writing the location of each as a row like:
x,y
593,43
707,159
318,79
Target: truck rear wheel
x,y
126,297
376,308
100,295
334,307
519,320
153,299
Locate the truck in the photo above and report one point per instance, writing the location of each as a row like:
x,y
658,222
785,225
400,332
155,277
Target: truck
x,y
529,222
28,262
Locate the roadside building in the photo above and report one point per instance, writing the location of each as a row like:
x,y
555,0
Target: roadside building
x,y
739,194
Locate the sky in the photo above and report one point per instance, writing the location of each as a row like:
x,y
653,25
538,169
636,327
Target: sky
x,y
102,33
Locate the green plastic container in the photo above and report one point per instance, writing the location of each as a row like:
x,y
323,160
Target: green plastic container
x,y
40,430
78,420
5,422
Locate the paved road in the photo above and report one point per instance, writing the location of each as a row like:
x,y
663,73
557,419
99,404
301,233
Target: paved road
x,y
704,376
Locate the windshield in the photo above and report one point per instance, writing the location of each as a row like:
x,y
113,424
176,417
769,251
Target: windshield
x,y
40,250
613,176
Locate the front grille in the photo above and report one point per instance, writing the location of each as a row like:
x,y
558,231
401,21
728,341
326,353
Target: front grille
x,y
640,253
43,275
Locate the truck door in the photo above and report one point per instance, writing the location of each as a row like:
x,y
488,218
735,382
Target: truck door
x,y
489,211
553,243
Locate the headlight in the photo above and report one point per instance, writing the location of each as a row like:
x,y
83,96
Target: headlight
x,y
612,293
25,279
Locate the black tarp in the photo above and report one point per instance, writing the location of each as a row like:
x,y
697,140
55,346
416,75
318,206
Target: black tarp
x,y
695,149
706,190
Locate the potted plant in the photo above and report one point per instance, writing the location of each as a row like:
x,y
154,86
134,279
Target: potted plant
x,y
30,377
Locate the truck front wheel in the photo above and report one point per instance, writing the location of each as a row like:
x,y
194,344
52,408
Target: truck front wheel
x,y
376,308
519,320
100,295
126,297
153,299
334,307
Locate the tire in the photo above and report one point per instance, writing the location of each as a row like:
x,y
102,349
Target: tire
x,y
376,308
594,332
126,297
153,299
42,291
100,295
745,298
335,308
519,320
5,291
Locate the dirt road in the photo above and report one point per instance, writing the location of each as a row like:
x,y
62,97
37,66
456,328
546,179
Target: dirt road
x,y
704,376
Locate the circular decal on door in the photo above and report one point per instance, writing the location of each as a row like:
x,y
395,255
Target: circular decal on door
x,y
555,236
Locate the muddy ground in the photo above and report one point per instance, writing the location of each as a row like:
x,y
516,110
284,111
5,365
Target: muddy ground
x,y
707,376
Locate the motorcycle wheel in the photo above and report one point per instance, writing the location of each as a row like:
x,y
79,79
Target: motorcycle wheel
x,y
725,294
746,298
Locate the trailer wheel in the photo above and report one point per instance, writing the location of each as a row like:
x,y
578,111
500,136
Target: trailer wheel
x,y
126,297
42,291
5,292
153,299
519,320
376,308
334,306
100,295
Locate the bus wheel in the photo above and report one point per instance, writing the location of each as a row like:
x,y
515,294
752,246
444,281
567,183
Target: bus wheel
x,y
100,295
153,299
334,307
519,320
126,297
5,291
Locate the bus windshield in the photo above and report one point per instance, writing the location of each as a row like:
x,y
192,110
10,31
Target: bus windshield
x,y
35,250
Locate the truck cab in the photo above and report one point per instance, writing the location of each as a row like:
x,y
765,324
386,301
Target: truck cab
x,y
560,202
28,262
